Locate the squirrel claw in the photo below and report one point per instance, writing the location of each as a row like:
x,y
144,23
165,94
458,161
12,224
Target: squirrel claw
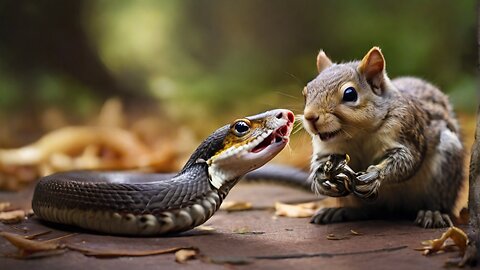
x,y
367,191
433,219
368,177
365,185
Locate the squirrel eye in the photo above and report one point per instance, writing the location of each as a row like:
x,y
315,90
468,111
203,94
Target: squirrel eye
x,y
350,95
241,128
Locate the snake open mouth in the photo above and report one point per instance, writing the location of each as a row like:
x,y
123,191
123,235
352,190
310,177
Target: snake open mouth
x,y
328,135
279,135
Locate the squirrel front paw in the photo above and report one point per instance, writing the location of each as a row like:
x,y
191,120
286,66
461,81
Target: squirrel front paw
x,y
332,188
333,177
327,177
365,185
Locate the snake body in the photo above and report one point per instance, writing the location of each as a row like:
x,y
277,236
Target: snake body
x,y
131,203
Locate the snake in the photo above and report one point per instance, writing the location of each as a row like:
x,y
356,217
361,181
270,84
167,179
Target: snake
x,y
135,203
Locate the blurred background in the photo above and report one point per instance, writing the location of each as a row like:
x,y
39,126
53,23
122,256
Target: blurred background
x,y
197,64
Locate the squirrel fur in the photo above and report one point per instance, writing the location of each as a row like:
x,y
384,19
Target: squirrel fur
x,y
403,129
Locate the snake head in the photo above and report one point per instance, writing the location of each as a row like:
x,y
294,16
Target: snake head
x,y
248,144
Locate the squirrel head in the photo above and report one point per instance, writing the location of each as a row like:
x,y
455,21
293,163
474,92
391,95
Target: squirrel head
x,y
346,99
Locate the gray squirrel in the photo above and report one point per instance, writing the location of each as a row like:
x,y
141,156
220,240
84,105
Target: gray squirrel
x,y
400,135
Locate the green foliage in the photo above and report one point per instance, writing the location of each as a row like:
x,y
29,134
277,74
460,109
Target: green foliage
x,y
9,92
200,57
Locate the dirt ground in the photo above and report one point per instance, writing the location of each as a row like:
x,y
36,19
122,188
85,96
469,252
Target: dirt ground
x,y
253,239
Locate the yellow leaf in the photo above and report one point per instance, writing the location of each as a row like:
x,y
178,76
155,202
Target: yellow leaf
x,y
458,237
29,246
14,216
289,210
184,255
236,206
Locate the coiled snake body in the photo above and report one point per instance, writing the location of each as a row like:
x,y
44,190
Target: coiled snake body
x,y
151,204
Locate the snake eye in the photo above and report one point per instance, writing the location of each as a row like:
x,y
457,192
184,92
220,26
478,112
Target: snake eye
x,y
241,127
350,95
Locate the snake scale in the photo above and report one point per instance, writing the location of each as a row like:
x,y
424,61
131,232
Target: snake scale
x,y
129,203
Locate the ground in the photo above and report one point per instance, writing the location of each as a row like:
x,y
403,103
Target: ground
x,y
253,239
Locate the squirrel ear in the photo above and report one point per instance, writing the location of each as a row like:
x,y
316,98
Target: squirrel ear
x,y
323,61
372,67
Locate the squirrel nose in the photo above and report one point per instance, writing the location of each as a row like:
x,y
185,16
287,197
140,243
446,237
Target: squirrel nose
x,y
311,116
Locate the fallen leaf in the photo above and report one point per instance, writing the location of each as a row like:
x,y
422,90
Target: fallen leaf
x,y
205,228
27,247
11,217
29,213
246,230
297,210
458,237
302,210
183,255
332,236
123,252
242,230
353,232
4,205
311,205
33,236
236,206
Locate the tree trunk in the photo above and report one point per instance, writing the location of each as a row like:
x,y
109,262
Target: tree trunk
x,y
474,198
472,254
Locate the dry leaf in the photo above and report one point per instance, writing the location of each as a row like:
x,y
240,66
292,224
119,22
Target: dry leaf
x,y
111,114
184,255
26,246
29,213
332,236
246,230
289,210
110,143
4,205
205,228
242,230
122,252
11,217
303,210
310,205
33,236
458,237
355,232
236,206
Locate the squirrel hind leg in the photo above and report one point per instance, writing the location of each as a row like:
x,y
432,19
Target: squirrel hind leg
x,y
433,219
339,214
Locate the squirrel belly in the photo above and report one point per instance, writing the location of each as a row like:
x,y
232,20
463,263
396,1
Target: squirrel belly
x,y
404,130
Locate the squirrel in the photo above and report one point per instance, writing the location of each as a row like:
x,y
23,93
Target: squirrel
x,y
401,136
